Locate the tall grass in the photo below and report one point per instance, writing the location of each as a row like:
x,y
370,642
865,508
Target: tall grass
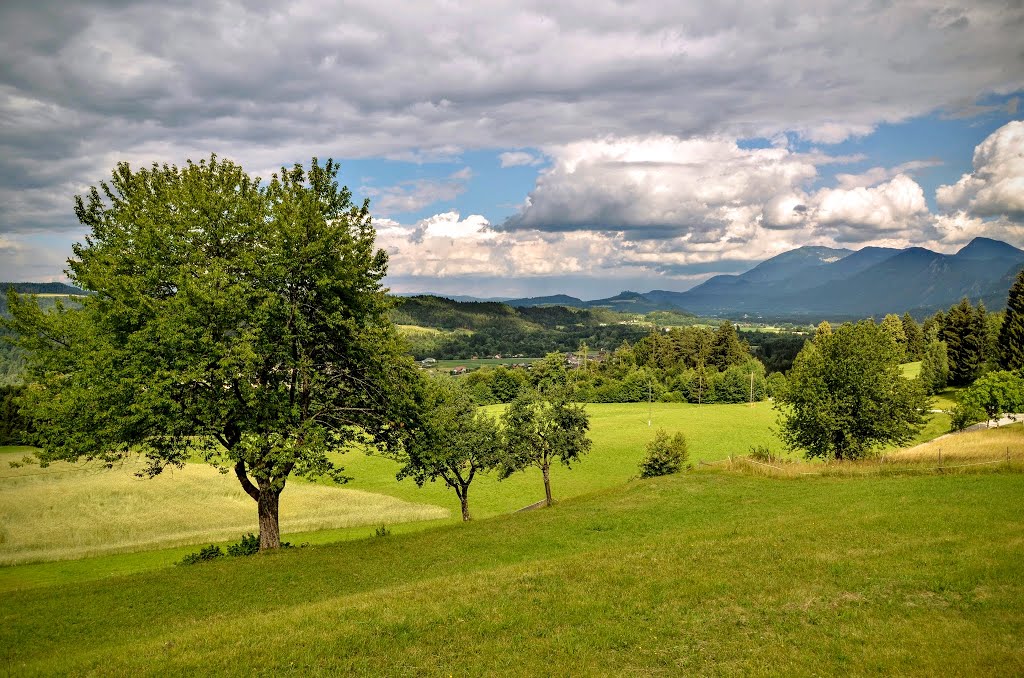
x,y
76,510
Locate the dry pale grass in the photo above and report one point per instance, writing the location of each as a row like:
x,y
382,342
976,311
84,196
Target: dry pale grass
x,y
982,445
68,511
1001,447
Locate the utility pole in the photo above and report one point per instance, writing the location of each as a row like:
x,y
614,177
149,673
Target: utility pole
x,y
751,388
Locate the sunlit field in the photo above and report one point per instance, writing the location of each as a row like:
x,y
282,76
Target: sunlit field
x,y
69,511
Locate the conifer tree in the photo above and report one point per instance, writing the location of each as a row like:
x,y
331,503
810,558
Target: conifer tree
x,y
893,326
1011,334
915,337
964,334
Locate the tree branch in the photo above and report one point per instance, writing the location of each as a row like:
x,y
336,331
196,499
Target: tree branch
x,y
247,485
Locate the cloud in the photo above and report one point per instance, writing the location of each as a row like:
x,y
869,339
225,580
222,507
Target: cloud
x,y
877,175
893,209
86,84
699,189
996,186
410,196
518,159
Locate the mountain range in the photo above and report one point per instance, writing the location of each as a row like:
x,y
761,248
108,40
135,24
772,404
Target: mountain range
x,y
823,282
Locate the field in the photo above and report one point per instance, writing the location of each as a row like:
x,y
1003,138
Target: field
x,y
113,512
708,572
724,569
70,511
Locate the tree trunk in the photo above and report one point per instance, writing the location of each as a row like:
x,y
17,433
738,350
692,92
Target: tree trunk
x,y
465,505
267,506
547,484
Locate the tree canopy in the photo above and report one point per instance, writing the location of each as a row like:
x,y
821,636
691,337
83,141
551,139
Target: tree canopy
x,y
240,321
846,394
456,441
1011,334
539,429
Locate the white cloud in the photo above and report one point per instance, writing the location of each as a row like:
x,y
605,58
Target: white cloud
x,y
518,159
410,196
893,209
698,189
996,186
877,175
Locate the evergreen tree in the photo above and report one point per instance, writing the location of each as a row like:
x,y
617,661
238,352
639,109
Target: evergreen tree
x,y
964,334
727,349
1011,334
915,338
893,326
934,366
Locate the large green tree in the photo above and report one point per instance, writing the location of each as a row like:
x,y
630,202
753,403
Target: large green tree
x,y
964,332
240,321
540,429
456,442
1011,334
846,395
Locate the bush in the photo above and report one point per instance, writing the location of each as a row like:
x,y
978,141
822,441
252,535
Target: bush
x,y
665,455
382,531
761,453
207,553
249,546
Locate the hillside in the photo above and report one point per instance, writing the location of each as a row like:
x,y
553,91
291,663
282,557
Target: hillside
x,y
704,573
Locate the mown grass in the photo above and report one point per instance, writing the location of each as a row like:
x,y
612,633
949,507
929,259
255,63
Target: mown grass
x,y
67,511
705,573
620,433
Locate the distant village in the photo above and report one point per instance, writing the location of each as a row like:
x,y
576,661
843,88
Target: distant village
x,y
572,360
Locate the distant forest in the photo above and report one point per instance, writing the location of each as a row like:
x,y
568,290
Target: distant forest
x,y
437,327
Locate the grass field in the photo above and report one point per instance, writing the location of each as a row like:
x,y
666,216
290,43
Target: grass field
x,y
70,511
705,573
69,514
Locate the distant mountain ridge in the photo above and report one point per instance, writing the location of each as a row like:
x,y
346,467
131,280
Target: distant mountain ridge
x,y
41,288
821,282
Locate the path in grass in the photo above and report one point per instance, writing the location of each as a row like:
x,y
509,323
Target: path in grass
x,y
698,574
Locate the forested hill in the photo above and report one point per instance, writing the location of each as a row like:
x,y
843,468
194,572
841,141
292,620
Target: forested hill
x,y
41,288
441,328
443,313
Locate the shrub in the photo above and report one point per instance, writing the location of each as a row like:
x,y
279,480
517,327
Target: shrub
x,y
761,453
207,553
382,531
665,455
249,546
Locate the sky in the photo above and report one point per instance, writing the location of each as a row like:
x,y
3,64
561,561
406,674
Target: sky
x,y
530,148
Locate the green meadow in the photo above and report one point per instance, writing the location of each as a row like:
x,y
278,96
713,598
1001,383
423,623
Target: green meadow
x,y
709,572
728,568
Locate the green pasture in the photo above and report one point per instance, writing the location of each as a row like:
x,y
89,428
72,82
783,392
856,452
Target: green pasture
x,y
67,512
702,573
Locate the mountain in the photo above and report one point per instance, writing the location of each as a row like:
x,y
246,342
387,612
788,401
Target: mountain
x,y
811,283
794,263
871,281
554,300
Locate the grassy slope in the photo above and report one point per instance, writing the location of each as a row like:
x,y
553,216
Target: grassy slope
x,y
74,510
705,573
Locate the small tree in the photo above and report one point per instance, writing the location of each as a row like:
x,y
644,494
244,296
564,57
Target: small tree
x,y
455,442
665,455
994,394
540,429
1011,334
846,395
